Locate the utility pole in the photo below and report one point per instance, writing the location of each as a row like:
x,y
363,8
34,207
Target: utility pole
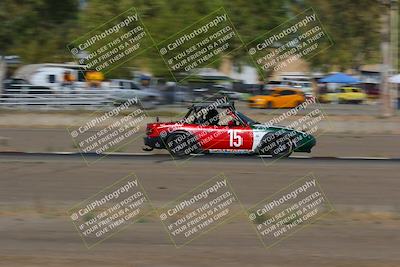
x,y
394,45
385,37
389,54
3,70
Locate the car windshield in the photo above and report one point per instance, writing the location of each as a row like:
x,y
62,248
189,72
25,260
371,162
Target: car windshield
x,y
267,92
246,119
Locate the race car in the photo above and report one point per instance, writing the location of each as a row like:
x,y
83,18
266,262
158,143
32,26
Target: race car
x,y
218,127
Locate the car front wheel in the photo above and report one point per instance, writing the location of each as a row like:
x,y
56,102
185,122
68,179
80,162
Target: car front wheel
x,y
269,105
276,144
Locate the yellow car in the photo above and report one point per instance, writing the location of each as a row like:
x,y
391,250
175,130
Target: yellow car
x,y
278,98
345,95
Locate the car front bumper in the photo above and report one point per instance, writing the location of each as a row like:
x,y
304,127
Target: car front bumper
x,y
254,104
306,144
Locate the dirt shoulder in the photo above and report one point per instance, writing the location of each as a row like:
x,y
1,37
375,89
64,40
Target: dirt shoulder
x,y
344,124
35,231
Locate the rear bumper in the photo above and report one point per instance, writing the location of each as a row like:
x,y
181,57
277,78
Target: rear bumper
x,y
154,142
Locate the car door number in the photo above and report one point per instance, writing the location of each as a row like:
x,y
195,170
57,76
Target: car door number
x,y
235,140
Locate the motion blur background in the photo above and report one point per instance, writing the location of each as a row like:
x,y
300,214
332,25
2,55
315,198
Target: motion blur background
x,y
40,79
356,157
37,32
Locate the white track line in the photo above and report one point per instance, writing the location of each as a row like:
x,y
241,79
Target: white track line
x,y
374,158
197,155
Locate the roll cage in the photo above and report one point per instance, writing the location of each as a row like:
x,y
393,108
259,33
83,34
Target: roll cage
x,y
196,111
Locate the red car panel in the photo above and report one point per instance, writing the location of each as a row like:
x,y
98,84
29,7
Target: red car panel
x,y
222,137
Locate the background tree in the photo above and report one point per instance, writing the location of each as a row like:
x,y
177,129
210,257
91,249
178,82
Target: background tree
x,y
39,30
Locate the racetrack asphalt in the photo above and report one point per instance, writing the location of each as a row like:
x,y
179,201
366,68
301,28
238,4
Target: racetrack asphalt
x,y
36,190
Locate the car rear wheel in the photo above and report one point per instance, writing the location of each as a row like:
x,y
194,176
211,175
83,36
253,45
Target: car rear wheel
x,y
276,144
182,144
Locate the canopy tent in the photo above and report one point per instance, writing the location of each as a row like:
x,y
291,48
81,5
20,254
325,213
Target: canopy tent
x,y
339,78
395,79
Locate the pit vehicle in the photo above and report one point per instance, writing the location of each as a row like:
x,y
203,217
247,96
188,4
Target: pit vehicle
x,y
345,95
278,98
220,128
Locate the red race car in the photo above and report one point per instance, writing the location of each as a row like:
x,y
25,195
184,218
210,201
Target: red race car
x,y
218,128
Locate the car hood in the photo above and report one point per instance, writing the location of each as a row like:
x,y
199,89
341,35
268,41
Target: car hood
x,y
274,127
265,126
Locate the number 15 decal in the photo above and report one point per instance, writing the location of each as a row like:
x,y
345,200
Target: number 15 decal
x,y
235,140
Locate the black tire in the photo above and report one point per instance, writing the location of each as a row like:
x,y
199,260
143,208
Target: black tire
x,y
182,144
276,144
